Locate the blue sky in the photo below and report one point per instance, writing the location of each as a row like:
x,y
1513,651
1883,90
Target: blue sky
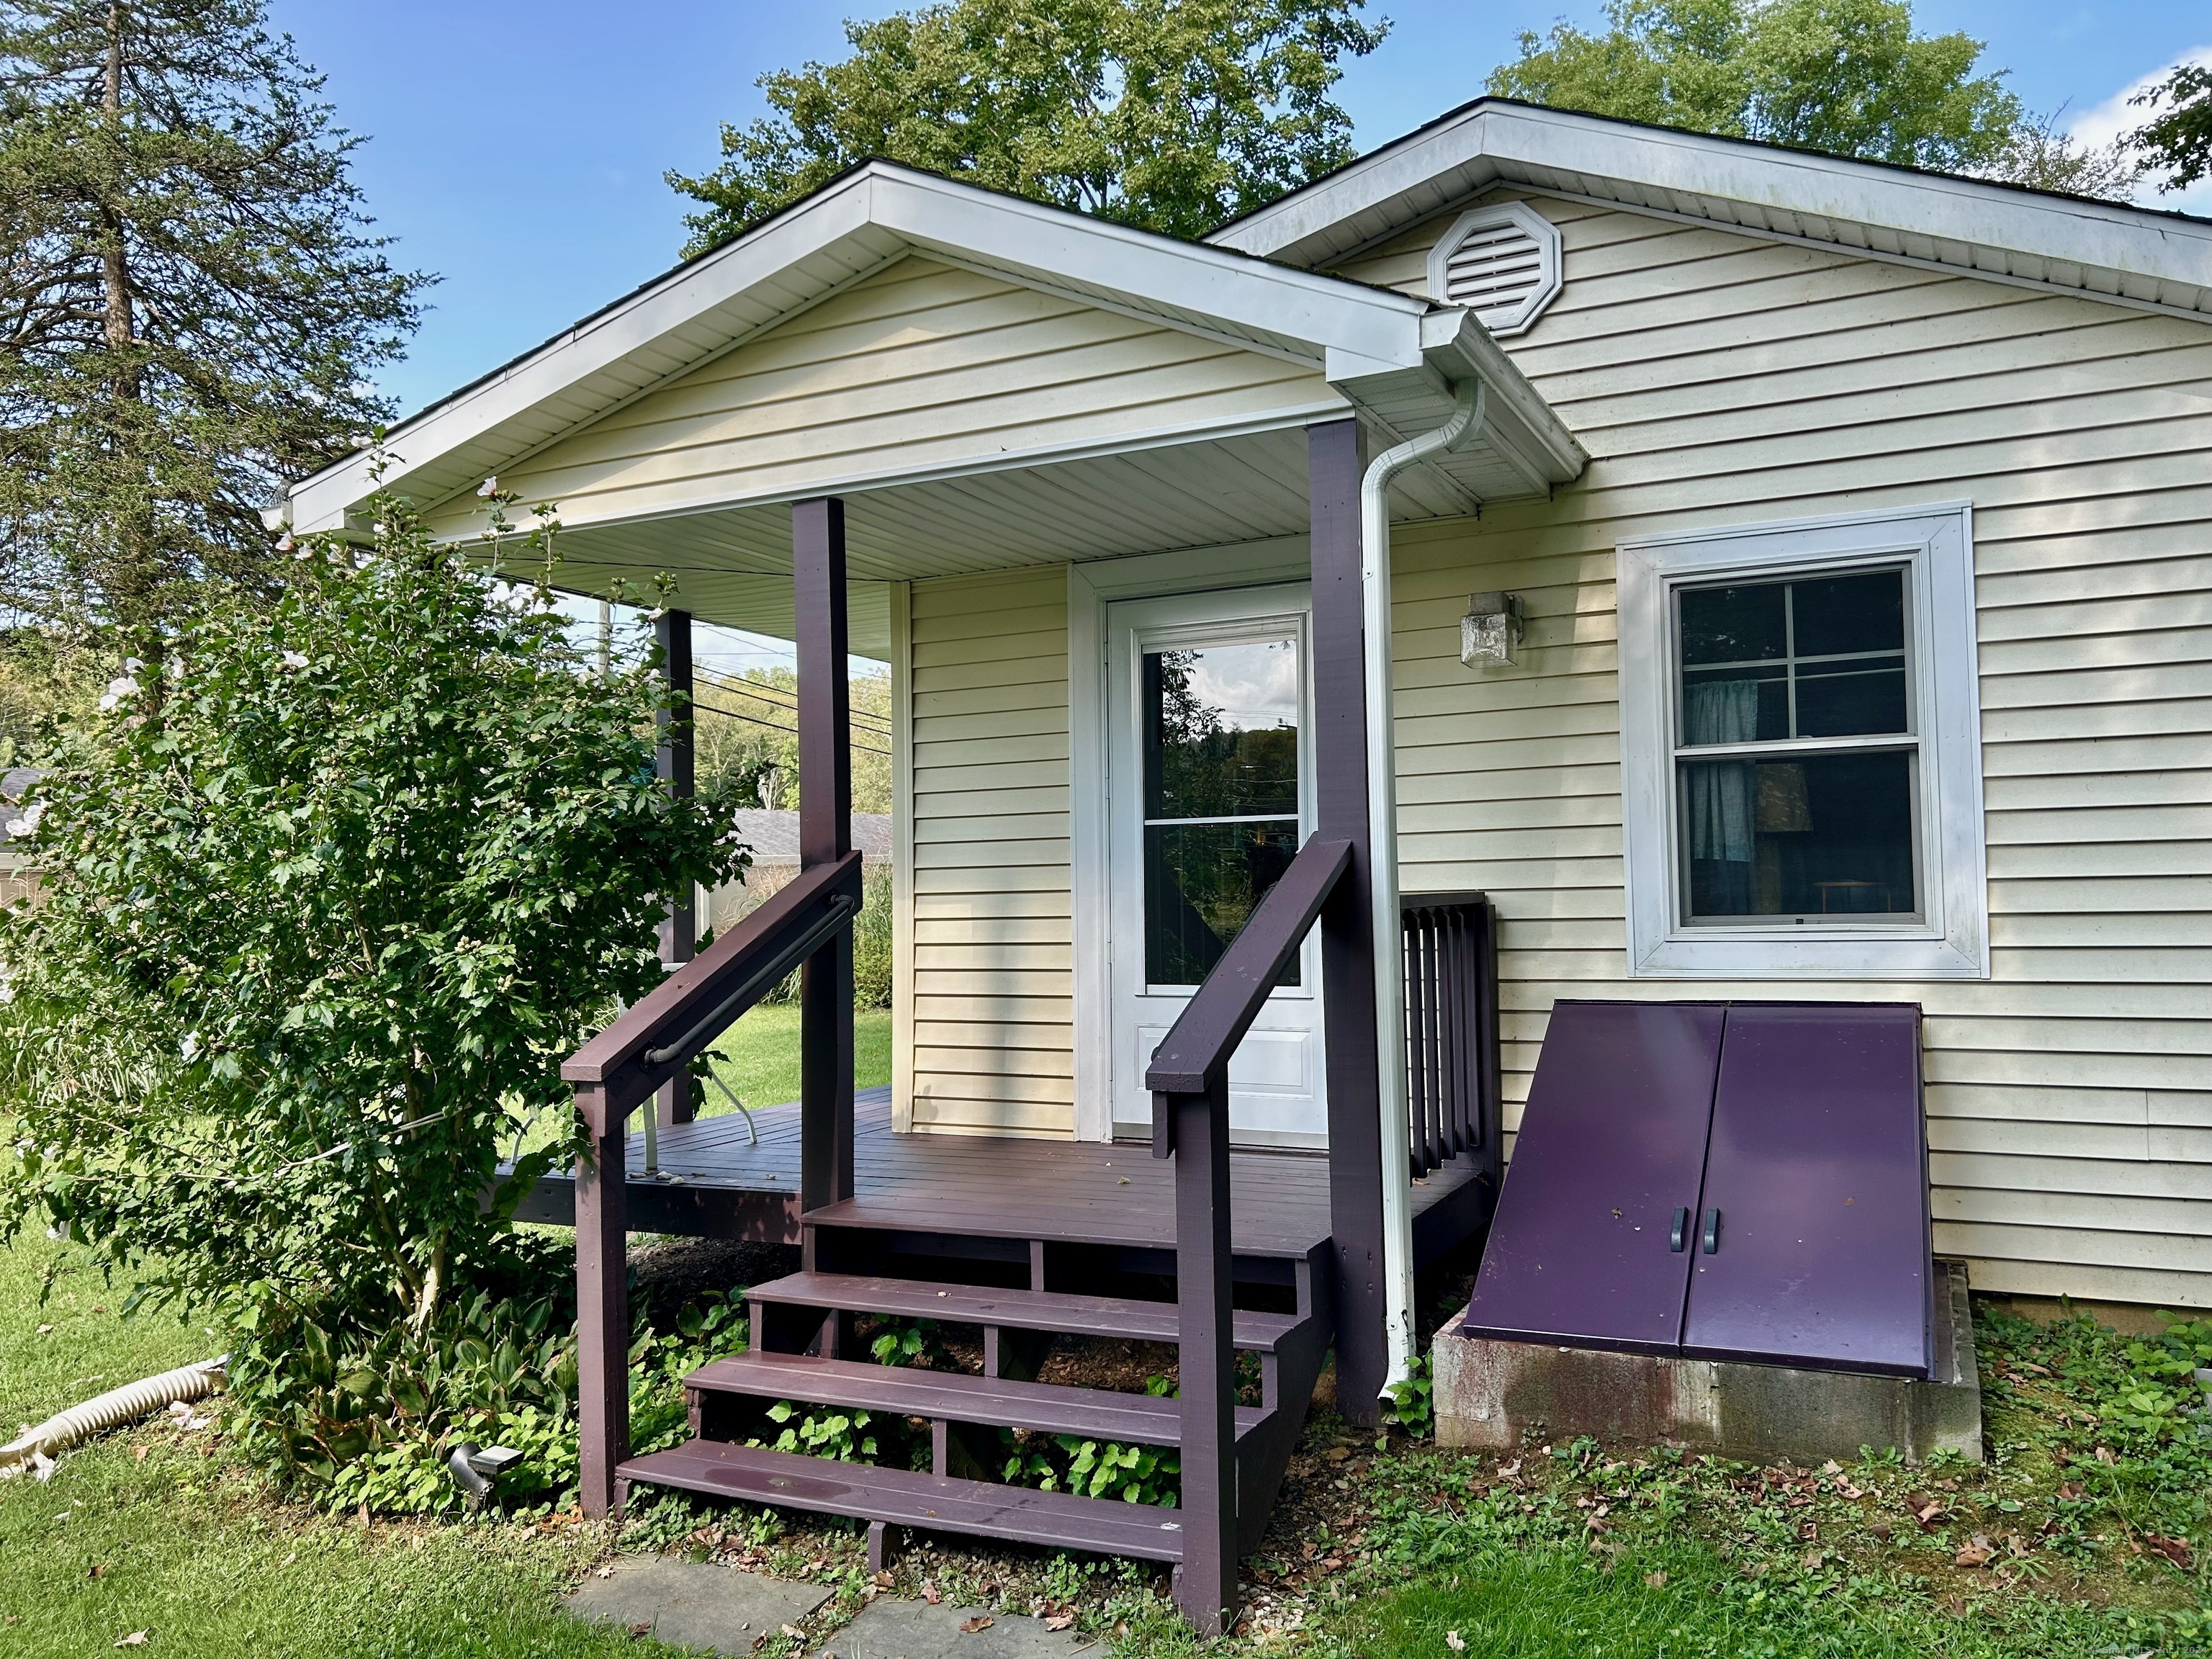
x,y
516,147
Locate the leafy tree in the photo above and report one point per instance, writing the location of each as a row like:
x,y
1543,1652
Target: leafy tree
x,y
192,304
2179,137
1170,114
1848,76
319,930
2042,156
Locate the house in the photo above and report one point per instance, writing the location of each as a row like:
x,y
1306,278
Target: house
x,y
772,835
1754,575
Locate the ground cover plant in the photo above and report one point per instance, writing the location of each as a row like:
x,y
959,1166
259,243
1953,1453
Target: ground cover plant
x,y
328,899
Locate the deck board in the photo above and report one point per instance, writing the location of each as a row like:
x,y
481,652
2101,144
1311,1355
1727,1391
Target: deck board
x,y
717,1184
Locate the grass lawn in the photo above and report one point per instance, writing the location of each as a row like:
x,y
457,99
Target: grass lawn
x,y
159,1531
761,1055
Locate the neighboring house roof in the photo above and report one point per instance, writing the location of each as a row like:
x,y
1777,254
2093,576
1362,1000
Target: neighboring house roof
x,y
774,835
1393,357
2006,233
15,784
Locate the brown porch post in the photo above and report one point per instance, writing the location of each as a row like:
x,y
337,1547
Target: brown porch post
x,y
674,763
1206,1582
602,1304
1347,942
825,835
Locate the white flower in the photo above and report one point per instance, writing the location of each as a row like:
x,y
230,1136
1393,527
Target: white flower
x,y
364,441
117,688
293,660
29,824
284,543
489,488
190,1047
131,664
378,528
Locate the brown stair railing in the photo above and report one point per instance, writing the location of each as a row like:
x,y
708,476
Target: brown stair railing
x,y
621,1069
1450,942
1188,1078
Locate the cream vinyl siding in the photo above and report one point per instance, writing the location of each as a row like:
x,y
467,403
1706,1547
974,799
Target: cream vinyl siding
x,y
921,366
1719,380
994,962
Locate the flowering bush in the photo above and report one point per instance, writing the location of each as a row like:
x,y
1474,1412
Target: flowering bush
x,y
331,894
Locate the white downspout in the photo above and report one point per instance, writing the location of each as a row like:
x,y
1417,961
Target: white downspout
x,y
1383,882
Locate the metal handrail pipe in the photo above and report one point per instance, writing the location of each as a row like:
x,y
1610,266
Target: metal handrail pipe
x,y
842,910
634,1056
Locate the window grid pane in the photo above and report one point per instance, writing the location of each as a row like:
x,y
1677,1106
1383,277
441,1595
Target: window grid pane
x,y
1801,834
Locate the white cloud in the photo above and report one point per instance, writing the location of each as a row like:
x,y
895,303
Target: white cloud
x,y
2102,123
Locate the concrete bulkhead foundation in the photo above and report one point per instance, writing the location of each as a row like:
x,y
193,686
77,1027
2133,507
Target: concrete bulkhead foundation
x,y
1496,1396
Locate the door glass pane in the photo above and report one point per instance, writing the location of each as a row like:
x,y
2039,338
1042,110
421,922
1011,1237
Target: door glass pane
x,y
1202,882
1221,796
1221,731
1823,836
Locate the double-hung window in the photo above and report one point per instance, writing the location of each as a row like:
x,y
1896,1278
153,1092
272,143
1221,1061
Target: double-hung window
x,y
1801,749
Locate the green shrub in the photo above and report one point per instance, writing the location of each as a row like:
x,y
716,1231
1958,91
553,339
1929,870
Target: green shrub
x,y
332,892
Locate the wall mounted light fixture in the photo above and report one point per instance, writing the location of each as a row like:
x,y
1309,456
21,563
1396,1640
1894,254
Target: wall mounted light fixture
x,y
1490,632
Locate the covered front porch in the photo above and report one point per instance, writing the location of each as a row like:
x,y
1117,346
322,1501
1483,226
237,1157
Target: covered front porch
x,y
968,435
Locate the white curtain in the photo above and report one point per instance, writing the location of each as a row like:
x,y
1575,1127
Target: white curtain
x,y
1722,794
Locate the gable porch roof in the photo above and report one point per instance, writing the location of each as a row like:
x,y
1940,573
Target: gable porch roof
x,y
1391,359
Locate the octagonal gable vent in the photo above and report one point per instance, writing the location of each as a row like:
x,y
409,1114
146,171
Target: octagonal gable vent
x,y
1501,262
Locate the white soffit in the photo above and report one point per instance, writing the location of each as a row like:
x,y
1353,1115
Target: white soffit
x,y
2136,255
1356,333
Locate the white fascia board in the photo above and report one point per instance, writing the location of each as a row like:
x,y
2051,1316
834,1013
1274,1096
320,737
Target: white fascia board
x,y
1457,344
1332,321
1277,302
320,502
1510,138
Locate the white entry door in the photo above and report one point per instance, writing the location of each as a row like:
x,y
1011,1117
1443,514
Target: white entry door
x,y
1209,791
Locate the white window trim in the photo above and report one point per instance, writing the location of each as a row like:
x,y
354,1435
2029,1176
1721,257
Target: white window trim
x,y
1951,939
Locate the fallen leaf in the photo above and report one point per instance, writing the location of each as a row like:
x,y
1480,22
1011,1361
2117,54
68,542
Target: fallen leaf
x,y
929,1593
2106,1455
44,1330
640,1630
1880,1530
1813,1559
1976,1553
1655,1581
137,1639
2173,1549
139,1453
1455,1641
982,1621
2070,1491
794,1630
1059,1620
99,1570
1958,1606
1832,1466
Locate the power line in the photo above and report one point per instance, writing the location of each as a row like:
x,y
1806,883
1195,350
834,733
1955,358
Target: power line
x,y
777,696
770,725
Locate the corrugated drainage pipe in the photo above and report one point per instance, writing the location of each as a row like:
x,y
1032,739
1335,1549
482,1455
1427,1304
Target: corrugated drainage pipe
x,y
117,1406
1382,878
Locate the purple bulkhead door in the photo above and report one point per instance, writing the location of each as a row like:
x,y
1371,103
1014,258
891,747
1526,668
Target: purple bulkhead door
x,y
1817,1169
1609,1159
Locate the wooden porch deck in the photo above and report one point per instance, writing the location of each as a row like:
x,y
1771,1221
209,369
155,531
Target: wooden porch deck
x,y
715,1184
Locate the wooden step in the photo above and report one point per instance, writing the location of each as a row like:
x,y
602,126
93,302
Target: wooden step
x,y
1027,1310
925,1502
956,1397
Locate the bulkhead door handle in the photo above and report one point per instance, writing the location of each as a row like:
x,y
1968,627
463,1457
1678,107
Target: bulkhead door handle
x,y
1712,1232
1678,1239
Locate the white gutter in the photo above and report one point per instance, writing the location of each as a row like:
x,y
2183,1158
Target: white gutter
x,y
1382,880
